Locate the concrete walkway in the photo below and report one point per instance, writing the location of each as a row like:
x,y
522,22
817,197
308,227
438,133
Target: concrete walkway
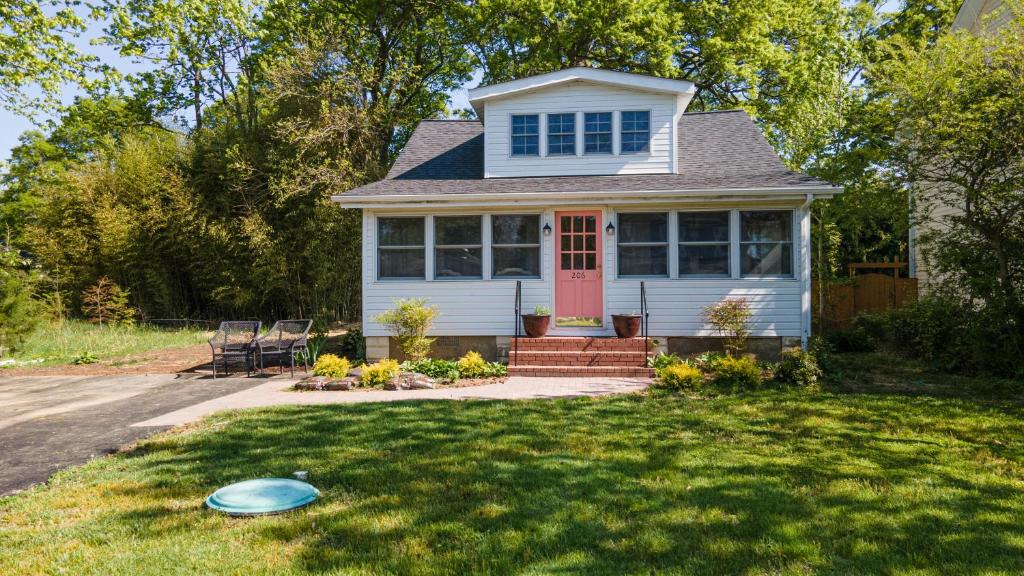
x,y
276,393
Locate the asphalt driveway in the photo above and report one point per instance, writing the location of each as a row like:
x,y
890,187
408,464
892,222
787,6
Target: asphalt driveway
x,y
50,422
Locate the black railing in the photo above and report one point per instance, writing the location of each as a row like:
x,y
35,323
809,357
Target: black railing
x,y
519,311
644,315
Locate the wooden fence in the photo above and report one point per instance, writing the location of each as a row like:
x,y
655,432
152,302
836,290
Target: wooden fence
x,y
872,292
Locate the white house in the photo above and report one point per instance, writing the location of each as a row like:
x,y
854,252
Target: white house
x,y
581,184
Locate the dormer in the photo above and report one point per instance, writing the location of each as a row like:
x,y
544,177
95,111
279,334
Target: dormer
x,y
581,121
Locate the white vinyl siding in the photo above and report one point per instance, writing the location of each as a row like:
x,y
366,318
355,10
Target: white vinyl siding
x,y
485,307
580,98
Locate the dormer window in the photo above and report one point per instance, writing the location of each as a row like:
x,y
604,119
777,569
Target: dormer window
x,y
525,135
636,132
597,133
561,134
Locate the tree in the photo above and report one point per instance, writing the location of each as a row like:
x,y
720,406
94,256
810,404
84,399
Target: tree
x,y
959,106
105,301
18,308
36,50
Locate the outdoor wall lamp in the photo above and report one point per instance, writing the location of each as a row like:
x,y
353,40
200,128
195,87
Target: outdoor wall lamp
x,y
547,229
610,229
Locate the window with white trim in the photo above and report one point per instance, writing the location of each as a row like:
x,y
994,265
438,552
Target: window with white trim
x,y
635,132
643,244
515,246
597,133
458,247
561,134
400,248
704,243
525,135
766,243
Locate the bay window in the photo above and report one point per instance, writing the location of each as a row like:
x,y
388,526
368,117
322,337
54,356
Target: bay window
x,y
704,243
515,246
400,248
766,243
643,244
458,247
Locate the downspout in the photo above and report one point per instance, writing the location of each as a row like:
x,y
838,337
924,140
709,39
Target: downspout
x,y
805,270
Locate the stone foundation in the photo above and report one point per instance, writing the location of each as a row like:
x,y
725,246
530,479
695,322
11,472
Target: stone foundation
x,y
765,348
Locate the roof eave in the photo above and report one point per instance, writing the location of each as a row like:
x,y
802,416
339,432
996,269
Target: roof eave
x,y
587,197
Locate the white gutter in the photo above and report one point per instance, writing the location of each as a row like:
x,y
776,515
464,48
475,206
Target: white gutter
x,y
805,270
588,197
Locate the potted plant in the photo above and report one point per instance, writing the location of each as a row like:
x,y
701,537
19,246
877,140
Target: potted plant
x,y
626,325
536,324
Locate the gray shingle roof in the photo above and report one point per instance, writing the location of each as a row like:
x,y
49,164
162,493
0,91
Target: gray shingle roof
x,y
718,150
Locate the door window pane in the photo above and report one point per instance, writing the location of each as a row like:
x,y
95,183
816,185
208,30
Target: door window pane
x,y
458,248
561,134
515,246
766,243
400,248
525,135
704,243
643,244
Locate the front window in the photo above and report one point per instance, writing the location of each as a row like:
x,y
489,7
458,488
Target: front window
x,y
597,133
561,134
703,243
458,249
643,244
766,243
636,132
400,248
525,135
515,246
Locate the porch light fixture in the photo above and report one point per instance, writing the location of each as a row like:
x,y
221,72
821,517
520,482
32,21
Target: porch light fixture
x,y
547,229
610,229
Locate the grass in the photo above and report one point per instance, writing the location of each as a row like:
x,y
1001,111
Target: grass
x,y
60,343
773,482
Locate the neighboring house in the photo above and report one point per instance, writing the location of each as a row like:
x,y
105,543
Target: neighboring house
x,y
582,184
977,17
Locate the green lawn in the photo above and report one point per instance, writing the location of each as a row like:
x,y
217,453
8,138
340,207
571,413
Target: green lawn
x,y
761,483
61,342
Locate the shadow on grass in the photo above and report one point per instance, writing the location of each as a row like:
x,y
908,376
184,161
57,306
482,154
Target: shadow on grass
x,y
761,483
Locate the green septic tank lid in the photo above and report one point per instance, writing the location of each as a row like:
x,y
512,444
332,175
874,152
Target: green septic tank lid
x,y
262,496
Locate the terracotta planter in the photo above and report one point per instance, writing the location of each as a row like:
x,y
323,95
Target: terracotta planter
x,y
536,325
626,325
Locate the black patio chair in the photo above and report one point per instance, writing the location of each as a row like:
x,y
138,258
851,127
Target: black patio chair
x,y
286,337
234,340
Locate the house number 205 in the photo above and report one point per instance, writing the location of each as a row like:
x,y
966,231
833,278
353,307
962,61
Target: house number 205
x,y
579,275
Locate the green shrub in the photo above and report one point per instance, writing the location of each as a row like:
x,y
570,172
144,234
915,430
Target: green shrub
x,y
353,345
679,377
542,311
331,366
473,365
708,361
439,369
379,373
663,360
731,319
410,321
797,367
85,358
742,372
19,311
852,339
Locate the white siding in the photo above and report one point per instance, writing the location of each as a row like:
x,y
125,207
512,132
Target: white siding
x,y
486,307
580,97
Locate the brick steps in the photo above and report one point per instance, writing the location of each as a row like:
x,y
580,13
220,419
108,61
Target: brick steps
x,y
579,356
574,358
620,371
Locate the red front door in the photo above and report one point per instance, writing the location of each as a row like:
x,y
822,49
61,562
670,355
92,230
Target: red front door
x,y
578,279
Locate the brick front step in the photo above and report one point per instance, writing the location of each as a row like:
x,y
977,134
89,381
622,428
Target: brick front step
x,y
577,358
562,371
580,344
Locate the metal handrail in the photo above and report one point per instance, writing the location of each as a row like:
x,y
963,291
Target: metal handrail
x,y
644,315
519,310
